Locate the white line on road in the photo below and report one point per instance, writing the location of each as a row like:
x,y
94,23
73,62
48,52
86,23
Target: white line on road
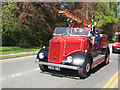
x,y
18,74
111,60
36,69
2,78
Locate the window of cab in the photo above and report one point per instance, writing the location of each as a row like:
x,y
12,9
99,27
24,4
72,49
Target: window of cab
x,y
72,31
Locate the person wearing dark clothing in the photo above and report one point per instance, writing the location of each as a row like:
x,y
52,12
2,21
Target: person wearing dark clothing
x,y
93,27
97,38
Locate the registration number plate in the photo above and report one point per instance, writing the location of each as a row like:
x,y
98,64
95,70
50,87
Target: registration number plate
x,y
54,68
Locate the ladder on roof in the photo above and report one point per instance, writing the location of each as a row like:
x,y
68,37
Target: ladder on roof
x,y
66,13
70,15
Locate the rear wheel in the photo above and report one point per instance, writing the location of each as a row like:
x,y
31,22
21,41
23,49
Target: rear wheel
x,y
85,70
113,51
43,68
107,54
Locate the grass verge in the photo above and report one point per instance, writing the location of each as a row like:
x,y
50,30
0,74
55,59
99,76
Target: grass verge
x,y
9,50
12,52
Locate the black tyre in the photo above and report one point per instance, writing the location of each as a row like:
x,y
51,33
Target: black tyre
x,y
107,55
85,71
113,51
43,68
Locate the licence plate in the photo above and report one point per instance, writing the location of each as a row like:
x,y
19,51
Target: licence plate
x,y
54,68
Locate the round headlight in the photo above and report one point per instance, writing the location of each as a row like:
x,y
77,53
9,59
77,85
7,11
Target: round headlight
x,y
41,55
69,59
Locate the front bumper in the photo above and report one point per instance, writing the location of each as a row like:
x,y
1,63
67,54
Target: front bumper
x,y
57,65
116,49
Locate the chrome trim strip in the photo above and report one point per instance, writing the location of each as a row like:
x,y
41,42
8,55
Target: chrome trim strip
x,y
54,41
104,46
58,65
98,57
98,60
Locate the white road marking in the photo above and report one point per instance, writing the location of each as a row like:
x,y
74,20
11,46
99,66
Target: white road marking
x,y
3,78
18,74
111,60
36,69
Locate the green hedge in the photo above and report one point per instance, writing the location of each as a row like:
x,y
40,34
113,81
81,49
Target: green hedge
x,y
21,38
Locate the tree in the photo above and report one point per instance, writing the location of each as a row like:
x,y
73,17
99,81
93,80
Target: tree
x,y
9,15
9,22
85,10
106,16
39,20
107,12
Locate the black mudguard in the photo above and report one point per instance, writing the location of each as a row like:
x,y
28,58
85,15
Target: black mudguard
x,y
45,53
79,58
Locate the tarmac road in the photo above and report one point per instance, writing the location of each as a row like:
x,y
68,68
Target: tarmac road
x,y
23,72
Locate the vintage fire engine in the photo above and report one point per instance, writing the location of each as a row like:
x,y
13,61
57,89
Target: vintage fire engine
x,y
73,48
116,44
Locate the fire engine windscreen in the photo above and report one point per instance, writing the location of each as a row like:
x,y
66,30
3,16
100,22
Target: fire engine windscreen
x,y
72,31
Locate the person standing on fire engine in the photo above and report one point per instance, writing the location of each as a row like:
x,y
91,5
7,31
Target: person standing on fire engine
x,y
97,37
93,27
68,29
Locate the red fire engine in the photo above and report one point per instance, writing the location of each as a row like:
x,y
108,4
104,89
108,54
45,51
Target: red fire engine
x,y
73,48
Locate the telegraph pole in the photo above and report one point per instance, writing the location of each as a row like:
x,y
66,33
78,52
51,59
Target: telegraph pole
x,y
87,12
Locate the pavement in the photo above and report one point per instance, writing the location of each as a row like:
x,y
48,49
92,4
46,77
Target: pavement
x,y
14,55
18,53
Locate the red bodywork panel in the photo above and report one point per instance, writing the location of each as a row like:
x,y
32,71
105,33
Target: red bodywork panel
x,y
62,46
116,44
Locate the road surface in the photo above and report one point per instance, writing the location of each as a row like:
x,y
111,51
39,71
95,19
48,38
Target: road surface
x,y
23,72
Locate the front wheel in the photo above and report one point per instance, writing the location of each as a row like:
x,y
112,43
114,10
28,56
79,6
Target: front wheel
x,y
43,68
85,70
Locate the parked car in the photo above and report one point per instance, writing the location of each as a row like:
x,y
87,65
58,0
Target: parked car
x,y
74,49
116,45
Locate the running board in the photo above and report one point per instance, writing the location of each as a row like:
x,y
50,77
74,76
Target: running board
x,y
98,60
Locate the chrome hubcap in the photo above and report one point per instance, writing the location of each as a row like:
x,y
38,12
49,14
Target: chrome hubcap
x,y
87,67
